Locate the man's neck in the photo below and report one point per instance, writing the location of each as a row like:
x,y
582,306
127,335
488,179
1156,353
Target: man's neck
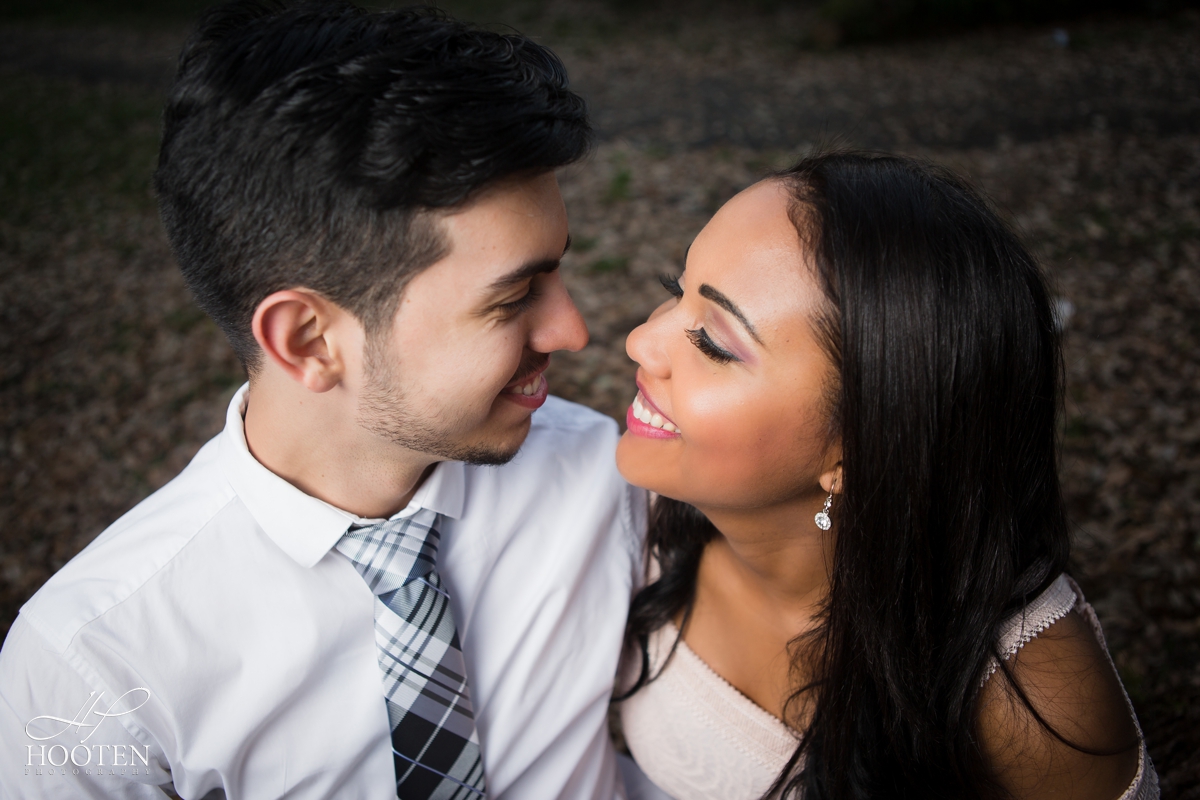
x,y
314,442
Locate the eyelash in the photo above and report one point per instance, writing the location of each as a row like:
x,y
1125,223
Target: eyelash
x,y
520,306
706,345
671,284
699,337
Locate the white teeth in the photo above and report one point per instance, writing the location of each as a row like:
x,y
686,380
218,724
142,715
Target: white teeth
x,y
528,389
651,418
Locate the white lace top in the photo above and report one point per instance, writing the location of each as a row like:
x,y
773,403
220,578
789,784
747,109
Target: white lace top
x,y
698,738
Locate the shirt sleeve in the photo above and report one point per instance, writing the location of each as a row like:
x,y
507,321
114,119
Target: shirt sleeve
x,y
638,501
55,741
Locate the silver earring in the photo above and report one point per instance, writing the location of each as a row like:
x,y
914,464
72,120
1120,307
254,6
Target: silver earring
x,y
822,517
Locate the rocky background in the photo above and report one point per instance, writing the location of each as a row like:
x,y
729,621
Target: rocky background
x,y
1086,134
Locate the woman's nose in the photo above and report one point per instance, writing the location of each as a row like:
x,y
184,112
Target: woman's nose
x,y
644,343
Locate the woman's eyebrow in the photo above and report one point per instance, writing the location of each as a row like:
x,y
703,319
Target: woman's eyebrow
x,y
727,304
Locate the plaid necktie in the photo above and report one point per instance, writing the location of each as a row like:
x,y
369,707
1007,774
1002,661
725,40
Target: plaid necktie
x,y
434,742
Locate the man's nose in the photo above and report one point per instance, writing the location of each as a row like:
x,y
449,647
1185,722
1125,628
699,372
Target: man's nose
x,y
558,325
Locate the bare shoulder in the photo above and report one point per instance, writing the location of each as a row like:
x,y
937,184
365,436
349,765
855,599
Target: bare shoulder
x,y
1067,678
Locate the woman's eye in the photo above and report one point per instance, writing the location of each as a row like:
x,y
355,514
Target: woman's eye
x,y
706,345
699,336
671,284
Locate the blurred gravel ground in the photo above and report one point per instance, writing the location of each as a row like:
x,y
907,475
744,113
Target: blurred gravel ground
x,y
110,379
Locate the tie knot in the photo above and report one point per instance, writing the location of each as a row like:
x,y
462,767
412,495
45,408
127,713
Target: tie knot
x,y
390,554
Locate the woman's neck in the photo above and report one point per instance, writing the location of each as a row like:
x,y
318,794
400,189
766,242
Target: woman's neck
x,y
761,584
777,555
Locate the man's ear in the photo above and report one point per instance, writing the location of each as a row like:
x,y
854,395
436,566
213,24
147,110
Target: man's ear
x,y
295,329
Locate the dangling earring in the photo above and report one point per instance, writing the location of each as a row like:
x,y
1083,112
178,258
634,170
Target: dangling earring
x,y
822,517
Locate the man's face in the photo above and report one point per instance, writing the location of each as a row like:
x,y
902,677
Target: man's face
x,y
460,371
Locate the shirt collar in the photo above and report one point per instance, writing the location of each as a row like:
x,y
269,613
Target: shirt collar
x,y
304,526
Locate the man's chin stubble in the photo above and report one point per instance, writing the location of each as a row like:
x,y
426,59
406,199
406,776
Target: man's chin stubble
x,y
387,422
383,411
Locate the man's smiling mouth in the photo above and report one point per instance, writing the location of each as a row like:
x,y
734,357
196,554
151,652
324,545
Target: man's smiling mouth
x,y
527,389
531,388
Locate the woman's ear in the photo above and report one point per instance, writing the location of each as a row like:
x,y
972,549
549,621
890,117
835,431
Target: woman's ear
x,y
831,480
294,328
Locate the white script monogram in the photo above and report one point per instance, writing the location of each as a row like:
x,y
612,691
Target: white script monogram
x,y
91,709
85,711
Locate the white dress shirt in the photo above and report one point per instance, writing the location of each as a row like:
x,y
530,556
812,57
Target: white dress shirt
x,y
232,648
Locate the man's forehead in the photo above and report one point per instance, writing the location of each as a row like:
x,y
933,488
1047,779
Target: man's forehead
x,y
509,232
510,224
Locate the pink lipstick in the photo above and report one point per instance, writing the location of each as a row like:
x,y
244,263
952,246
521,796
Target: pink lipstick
x,y
646,419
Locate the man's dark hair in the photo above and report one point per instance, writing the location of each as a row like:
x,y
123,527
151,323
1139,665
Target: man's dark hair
x,y
304,144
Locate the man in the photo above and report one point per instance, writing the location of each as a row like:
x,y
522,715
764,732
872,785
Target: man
x,y
344,595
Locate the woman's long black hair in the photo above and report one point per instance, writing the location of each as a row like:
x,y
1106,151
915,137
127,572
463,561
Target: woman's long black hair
x,y
950,517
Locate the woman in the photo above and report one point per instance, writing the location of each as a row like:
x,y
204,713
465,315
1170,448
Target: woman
x,y
848,410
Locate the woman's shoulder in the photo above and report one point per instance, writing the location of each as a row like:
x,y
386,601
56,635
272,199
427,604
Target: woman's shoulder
x,y
1054,720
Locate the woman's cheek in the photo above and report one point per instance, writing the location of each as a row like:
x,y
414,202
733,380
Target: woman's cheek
x,y
725,406
725,426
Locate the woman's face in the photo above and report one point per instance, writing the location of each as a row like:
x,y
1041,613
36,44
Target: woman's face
x,y
731,377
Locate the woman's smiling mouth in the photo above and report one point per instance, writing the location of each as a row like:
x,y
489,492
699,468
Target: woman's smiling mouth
x,y
645,419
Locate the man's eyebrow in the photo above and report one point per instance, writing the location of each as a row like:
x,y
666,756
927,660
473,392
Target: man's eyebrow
x,y
727,304
527,271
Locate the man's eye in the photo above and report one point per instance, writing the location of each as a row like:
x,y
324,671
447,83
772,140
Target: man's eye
x,y
519,306
671,284
706,345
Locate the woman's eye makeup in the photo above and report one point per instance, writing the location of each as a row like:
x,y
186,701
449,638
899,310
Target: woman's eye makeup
x,y
706,345
699,337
